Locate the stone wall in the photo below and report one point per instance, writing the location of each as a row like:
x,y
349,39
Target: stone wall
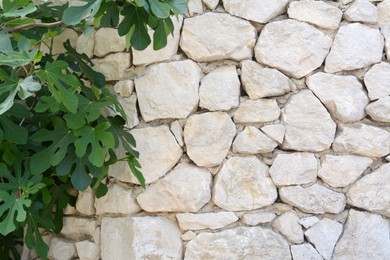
x,y
264,133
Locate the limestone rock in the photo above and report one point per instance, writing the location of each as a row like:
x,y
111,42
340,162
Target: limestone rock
x,y
362,11
205,220
363,232
253,219
159,152
322,200
59,40
85,200
260,11
317,13
107,40
243,184
124,87
385,30
189,235
85,44
195,7
208,138
177,131
342,170
308,221
252,141
377,80
61,249
185,189
384,12
380,110
324,235
261,82
75,227
276,132
169,90
304,252
372,192
257,111
129,104
293,169
288,225
113,66
220,89
87,250
140,238
251,242
355,46
110,204
293,47
217,36
342,95
362,139
305,116
211,4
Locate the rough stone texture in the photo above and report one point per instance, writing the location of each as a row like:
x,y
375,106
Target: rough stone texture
x,y
355,46
113,66
220,89
308,221
385,30
185,189
304,252
211,4
247,242
58,42
177,131
84,203
75,227
315,199
124,88
380,110
304,115
87,250
294,168
363,232
208,138
324,235
317,13
130,106
384,12
362,11
140,238
61,249
377,81
342,170
362,139
253,219
189,235
276,132
206,220
260,11
252,141
195,7
261,82
293,47
216,36
372,192
342,95
243,184
85,44
169,90
257,111
288,225
110,204
107,40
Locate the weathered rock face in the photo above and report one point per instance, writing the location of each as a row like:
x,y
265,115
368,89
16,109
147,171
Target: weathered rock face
x,y
257,111
169,90
380,110
87,250
206,220
61,249
113,66
377,80
243,184
385,30
204,37
251,242
288,225
304,252
129,104
108,35
85,44
362,11
304,115
253,219
383,12
293,47
276,132
252,141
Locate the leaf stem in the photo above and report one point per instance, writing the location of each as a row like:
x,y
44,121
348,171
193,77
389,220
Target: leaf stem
x,y
30,25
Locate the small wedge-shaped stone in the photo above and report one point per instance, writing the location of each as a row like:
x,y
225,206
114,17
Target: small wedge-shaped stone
x,y
304,252
288,225
380,110
257,111
190,221
385,30
252,141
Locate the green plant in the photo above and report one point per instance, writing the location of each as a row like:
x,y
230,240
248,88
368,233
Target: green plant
x,y
53,134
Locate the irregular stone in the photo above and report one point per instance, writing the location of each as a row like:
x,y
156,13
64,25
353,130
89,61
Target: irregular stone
x,y
75,227
251,242
61,249
315,199
130,106
308,221
257,111
342,170
140,238
253,219
169,90
177,131
363,232
84,202
276,132
195,7
260,11
149,55
189,235
372,192
252,141
85,44
355,46
107,40
317,13
304,252
206,220
362,139
342,95
288,225
361,11
59,40
217,36
211,4
294,168
208,138
124,88
113,66
380,110
377,81
243,184
87,250
110,204
159,152
304,115
220,89
281,41
261,82
185,189
384,12
324,235
385,30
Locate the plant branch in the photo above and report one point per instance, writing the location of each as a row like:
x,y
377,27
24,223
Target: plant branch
x,y
30,25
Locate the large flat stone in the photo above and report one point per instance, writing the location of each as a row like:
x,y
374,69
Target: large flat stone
x,y
380,110
377,80
190,221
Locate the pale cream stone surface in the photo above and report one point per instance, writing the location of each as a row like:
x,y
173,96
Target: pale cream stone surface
x,y
189,235
87,250
85,44
59,40
362,11
177,131
211,4
380,110
113,66
129,105
253,219
107,40
377,80
385,30
384,12
190,221
85,201
288,225
308,221
252,141
124,87
76,227
304,252
61,249
257,111
195,7
276,132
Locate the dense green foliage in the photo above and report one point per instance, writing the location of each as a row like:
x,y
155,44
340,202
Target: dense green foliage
x,y
54,133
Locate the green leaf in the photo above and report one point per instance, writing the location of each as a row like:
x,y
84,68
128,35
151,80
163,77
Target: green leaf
x,y
17,59
12,209
133,164
27,87
12,132
74,14
5,42
80,177
178,6
159,9
18,22
17,8
9,86
111,17
140,3
160,36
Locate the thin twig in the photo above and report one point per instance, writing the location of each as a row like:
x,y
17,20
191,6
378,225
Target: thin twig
x,y
30,25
